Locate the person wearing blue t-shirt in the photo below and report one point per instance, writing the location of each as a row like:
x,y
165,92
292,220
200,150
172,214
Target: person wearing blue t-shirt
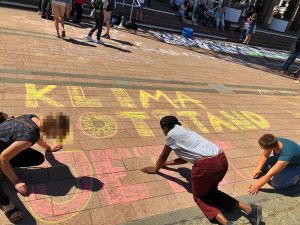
x,y
282,169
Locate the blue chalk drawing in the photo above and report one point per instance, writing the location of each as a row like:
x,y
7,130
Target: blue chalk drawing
x,y
219,46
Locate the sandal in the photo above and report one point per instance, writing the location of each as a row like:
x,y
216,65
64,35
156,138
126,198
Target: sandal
x,y
21,188
13,215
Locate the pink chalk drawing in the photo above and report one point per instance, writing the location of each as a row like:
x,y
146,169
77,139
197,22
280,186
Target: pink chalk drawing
x,y
148,151
177,188
114,192
110,170
44,208
224,145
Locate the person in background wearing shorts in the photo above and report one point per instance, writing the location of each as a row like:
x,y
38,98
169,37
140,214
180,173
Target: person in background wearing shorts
x,y
108,6
59,7
209,168
139,12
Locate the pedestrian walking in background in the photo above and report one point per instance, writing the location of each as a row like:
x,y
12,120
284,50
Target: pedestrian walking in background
x,y
295,52
59,8
108,7
98,16
78,9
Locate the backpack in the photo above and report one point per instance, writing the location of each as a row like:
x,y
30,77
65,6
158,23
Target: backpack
x,y
98,6
130,25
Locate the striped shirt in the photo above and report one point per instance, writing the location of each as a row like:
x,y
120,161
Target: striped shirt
x,y
189,145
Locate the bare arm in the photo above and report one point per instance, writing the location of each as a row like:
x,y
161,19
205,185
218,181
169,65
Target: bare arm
x,y
277,168
43,144
174,162
263,159
47,147
160,162
10,152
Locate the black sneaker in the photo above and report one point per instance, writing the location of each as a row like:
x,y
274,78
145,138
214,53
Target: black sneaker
x,y
256,213
63,34
106,36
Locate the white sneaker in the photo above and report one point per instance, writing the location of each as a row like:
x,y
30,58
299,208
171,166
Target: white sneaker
x,y
89,38
99,42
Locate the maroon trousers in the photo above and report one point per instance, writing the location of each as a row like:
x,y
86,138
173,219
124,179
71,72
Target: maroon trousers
x,y
206,176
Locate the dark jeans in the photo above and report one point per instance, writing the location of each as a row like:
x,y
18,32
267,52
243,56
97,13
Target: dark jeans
x,y
40,4
206,176
78,8
26,158
292,57
98,25
208,21
46,8
287,177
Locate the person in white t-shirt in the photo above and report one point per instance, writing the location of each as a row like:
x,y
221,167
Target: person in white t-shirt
x,y
139,12
209,168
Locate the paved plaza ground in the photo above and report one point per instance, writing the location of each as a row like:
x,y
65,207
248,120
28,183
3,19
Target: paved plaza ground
x,y
115,95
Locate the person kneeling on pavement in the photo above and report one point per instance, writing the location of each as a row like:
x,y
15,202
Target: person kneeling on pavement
x,y
209,168
282,168
17,135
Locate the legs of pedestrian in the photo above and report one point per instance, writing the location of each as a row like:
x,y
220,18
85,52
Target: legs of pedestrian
x,y
98,26
107,23
59,13
40,7
44,5
292,57
78,8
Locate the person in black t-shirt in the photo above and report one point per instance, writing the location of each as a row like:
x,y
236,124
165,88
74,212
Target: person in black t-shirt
x,y
17,135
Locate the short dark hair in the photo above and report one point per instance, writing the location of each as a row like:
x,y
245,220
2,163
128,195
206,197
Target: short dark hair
x,y
169,122
268,141
3,117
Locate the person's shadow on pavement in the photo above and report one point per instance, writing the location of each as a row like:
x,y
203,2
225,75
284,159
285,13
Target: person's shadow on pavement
x,y
234,215
184,172
83,182
56,181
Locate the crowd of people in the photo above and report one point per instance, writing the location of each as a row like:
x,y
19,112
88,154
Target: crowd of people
x,y
212,14
59,10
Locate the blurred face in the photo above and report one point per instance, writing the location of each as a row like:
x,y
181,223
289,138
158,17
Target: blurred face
x,y
53,133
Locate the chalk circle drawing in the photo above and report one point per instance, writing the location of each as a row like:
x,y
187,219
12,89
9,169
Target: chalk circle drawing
x,y
45,209
98,125
219,46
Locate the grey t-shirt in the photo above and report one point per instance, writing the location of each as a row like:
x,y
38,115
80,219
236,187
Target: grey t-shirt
x,y
189,145
18,129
